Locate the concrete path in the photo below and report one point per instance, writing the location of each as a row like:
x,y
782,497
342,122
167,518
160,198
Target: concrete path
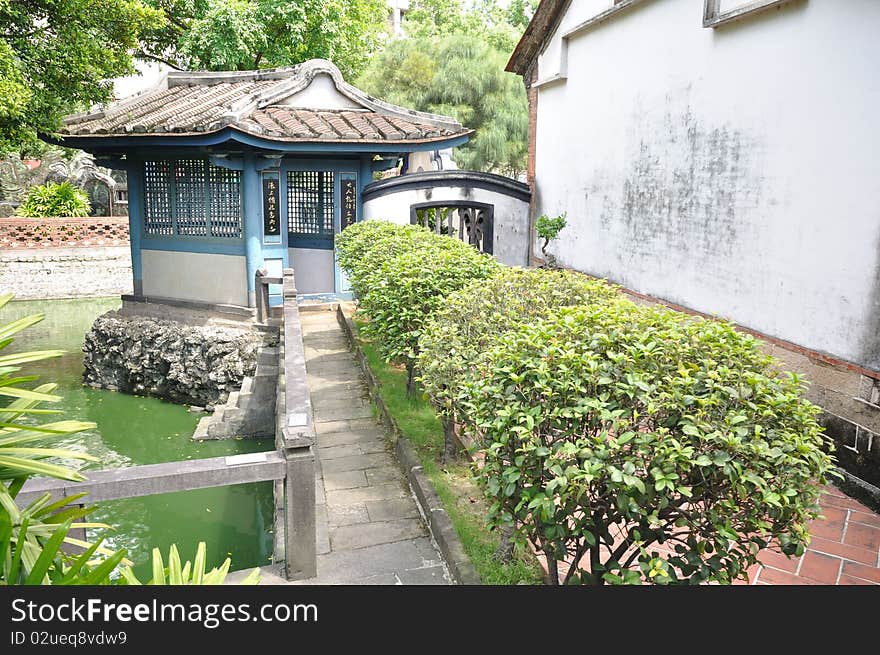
x,y
368,525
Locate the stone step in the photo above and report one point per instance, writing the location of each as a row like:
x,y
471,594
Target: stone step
x,y
246,385
232,400
231,415
218,431
265,372
268,356
244,400
201,431
217,415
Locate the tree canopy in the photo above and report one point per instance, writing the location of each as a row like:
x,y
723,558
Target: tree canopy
x,y
460,76
250,34
60,55
499,26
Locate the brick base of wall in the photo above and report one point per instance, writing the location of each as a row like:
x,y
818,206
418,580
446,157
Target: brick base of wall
x,y
65,272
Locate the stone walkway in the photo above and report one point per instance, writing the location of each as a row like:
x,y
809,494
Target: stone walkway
x,y
369,529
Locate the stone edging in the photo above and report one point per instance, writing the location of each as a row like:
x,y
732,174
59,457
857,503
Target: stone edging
x,y
460,567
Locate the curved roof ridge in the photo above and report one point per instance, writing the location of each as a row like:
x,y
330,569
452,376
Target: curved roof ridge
x,y
302,75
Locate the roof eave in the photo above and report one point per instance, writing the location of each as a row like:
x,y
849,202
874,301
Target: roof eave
x,y
129,140
544,22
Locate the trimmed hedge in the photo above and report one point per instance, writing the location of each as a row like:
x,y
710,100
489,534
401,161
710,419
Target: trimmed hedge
x,y
363,247
634,444
639,445
401,275
456,340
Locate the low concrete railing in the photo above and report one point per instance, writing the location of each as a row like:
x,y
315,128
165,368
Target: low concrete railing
x,y
151,479
294,437
261,285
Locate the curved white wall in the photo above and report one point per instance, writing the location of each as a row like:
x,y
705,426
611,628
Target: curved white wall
x,y
511,240
730,170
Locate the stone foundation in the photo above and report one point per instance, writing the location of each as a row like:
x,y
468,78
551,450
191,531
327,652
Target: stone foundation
x,y
196,365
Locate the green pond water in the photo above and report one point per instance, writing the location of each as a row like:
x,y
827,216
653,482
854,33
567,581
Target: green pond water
x,y
233,521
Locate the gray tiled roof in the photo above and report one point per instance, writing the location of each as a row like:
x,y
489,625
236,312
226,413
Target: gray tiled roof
x,y
255,102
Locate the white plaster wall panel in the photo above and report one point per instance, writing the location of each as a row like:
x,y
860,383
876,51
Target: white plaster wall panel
x,y
321,93
207,278
550,60
314,270
729,170
510,243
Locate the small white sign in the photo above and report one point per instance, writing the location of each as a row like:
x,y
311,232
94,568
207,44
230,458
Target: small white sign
x,y
247,458
297,420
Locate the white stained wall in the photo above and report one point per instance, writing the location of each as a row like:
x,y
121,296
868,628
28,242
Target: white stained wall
x,y
730,170
197,277
315,270
511,224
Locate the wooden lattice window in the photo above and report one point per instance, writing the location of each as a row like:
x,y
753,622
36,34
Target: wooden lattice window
x,y
191,198
310,204
158,219
224,193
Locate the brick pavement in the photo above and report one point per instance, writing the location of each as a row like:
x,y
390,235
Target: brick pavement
x,y
844,549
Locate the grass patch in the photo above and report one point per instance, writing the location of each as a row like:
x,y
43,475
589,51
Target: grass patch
x,y
456,487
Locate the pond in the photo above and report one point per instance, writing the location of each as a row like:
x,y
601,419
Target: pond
x,y
233,521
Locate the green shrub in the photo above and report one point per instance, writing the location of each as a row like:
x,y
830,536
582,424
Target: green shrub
x,y
402,292
363,247
639,445
189,573
354,241
455,341
53,200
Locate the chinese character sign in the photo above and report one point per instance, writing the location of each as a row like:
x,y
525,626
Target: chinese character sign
x,y
271,217
349,203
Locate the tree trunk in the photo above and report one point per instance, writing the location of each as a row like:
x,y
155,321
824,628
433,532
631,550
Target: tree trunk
x,y
552,570
504,552
410,378
450,447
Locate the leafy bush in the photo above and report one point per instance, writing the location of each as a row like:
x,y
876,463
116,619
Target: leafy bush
x,y
455,341
31,537
402,292
361,248
53,200
639,445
